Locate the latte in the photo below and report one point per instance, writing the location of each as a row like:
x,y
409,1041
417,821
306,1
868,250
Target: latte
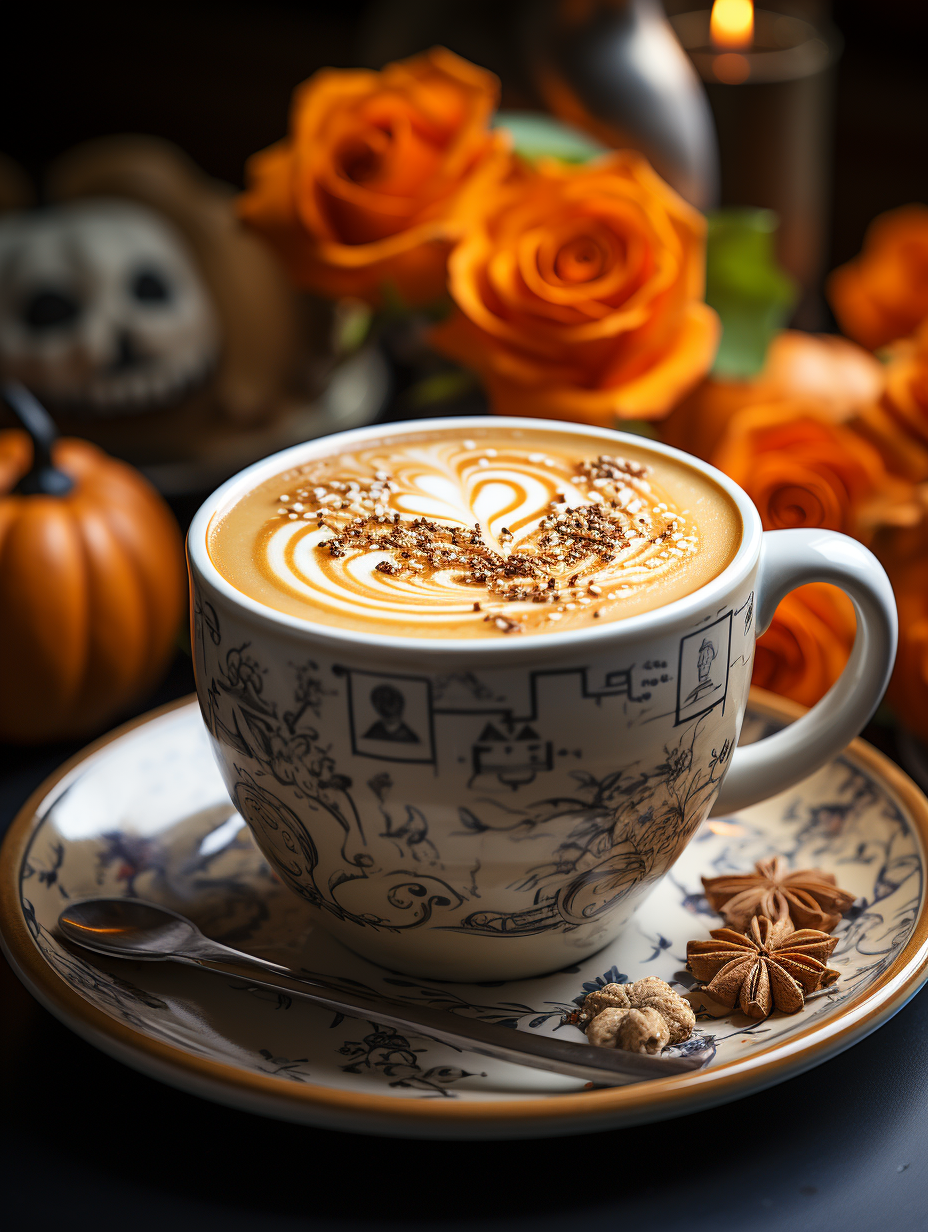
x,y
434,534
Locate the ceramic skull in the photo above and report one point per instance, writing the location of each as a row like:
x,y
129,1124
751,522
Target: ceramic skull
x,y
102,308
136,305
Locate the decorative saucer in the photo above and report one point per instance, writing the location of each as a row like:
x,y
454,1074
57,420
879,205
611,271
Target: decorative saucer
x,y
143,812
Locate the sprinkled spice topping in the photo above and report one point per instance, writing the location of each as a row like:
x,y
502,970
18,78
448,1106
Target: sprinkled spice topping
x,y
555,562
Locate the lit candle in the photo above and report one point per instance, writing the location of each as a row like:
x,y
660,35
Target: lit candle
x,y
770,86
731,24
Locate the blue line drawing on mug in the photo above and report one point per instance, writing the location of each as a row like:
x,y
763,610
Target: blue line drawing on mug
x,y
702,672
748,608
620,834
609,832
510,749
742,646
467,682
617,683
704,661
513,753
390,703
390,716
409,834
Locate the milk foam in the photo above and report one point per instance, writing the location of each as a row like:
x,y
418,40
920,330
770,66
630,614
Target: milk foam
x,y
455,485
338,540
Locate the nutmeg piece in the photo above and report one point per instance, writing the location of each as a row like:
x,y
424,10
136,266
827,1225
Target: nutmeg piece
x,y
631,1030
643,1030
643,1016
676,1011
610,995
604,1029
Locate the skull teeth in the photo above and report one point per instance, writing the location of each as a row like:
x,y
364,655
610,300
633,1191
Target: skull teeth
x,y
138,392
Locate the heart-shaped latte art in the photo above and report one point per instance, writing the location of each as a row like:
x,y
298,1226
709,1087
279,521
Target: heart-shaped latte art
x,y
517,499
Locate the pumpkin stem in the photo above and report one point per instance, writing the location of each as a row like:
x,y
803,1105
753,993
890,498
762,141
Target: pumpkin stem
x,y
44,479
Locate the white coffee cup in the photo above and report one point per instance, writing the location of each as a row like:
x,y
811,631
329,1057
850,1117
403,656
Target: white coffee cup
x,y
484,809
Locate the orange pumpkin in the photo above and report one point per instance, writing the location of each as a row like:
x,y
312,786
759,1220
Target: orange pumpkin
x,y
92,582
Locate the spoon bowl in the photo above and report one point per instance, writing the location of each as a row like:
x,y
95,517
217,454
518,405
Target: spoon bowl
x,y
128,927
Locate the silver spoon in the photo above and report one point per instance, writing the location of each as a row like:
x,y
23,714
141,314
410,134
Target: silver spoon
x,y
131,928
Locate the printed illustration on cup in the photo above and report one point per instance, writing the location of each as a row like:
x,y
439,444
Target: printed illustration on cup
x,y
702,674
390,716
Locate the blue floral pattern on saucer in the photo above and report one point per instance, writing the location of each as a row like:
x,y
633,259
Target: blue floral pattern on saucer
x,y
147,815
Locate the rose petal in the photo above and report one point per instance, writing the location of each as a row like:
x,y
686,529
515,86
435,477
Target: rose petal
x,y
803,469
381,173
801,655
579,294
883,294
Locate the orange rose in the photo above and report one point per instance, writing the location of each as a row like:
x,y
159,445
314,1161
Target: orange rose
x,y
882,295
898,423
381,171
841,375
802,469
579,294
807,645
908,689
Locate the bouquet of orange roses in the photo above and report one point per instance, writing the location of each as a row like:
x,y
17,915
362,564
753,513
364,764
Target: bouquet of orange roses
x,y
573,289
573,282
825,432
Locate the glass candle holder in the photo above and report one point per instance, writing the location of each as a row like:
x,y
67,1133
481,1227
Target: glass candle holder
x,y
773,104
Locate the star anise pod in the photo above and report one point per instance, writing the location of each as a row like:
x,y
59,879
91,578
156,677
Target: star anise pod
x,y
809,897
771,966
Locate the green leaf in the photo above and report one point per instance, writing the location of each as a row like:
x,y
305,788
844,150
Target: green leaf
x,y
351,326
438,388
753,296
535,135
393,306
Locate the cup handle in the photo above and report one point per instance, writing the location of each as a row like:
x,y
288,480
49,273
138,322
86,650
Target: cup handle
x,y
791,558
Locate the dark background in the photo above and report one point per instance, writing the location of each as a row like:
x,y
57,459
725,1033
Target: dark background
x,y
216,78
85,1142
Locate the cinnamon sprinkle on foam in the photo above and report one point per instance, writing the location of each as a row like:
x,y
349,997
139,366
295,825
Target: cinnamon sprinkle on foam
x,y
557,560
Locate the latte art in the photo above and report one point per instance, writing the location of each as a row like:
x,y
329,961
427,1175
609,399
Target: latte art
x,y
438,536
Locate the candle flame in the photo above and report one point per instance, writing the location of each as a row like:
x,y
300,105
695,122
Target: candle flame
x,y
732,23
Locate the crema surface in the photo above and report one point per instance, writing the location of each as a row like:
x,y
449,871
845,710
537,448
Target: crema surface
x,y
488,534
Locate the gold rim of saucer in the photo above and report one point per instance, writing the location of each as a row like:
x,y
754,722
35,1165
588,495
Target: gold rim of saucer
x,y
672,1096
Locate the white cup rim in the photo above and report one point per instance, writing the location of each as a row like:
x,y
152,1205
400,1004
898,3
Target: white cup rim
x,y
651,622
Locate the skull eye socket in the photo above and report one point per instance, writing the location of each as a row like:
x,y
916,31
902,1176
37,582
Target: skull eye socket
x,y
47,308
150,287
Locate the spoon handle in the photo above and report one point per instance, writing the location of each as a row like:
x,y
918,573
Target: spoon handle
x,y
599,1065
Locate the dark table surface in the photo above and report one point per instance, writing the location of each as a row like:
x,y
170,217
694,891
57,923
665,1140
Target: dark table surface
x,y
90,1142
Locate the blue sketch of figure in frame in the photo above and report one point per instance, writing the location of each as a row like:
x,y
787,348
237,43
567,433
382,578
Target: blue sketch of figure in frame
x,y
390,704
704,660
